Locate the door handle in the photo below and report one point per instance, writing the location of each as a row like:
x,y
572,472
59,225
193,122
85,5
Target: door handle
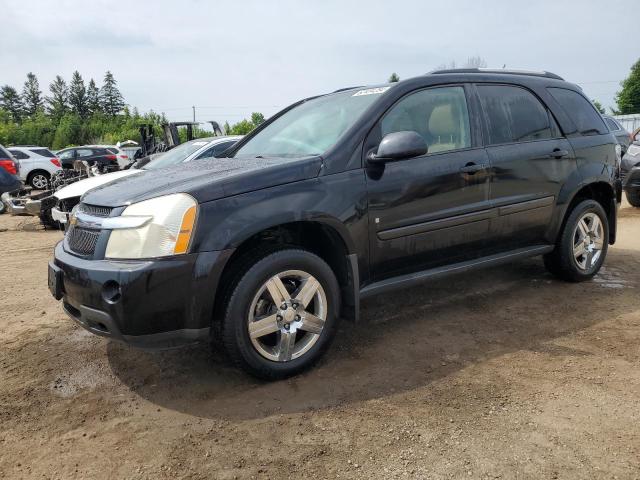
x,y
557,153
472,168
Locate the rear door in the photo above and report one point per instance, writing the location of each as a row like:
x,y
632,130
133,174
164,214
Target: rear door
x,y
530,161
433,209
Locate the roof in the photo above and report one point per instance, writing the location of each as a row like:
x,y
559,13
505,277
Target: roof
x,y
529,73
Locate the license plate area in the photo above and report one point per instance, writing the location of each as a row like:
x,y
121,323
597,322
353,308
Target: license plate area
x,y
55,281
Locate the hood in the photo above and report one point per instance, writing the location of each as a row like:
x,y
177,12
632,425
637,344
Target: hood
x,y
206,180
78,189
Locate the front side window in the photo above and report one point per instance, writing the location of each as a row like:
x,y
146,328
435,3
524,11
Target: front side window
x,y
312,127
176,155
513,114
580,110
68,155
215,150
439,115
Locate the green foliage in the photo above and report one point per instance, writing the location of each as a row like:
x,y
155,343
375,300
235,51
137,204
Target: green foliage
x,y
78,96
58,102
244,126
394,78
11,102
599,106
93,98
628,99
32,96
110,97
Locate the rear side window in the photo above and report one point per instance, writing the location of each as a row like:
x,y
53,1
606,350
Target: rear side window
x,y
19,155
514,114
84,152
216,150
43,152
580,110
611,124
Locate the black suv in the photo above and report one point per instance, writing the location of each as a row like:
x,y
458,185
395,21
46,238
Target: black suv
x,y
340,197
106,158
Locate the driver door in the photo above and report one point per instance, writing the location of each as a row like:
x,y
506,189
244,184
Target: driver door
x,y
432,209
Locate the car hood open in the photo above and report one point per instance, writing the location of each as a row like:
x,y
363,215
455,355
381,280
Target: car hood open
x,y
205,180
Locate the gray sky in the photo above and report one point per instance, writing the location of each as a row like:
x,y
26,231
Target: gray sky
x,y
237,57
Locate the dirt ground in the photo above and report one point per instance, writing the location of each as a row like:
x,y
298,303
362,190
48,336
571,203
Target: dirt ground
x,y
504,373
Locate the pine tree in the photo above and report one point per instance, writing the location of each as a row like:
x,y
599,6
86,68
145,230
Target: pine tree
x,y
78,95
394,78
11,102
110,97
93,98
58,102
31,95
628,99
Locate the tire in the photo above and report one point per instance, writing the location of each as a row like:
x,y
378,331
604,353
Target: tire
x,y
39,180
253,297
591,249
633,197
3,207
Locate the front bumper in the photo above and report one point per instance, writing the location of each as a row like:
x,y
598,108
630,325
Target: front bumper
x,y
14,206
160,303
632,180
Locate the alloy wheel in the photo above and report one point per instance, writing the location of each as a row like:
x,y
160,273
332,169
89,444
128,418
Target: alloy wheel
x,y
588,241
287,315
39,181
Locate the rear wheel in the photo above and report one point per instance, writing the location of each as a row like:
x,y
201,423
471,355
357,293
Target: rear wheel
x,y
633,197
282,314
582,245
39,180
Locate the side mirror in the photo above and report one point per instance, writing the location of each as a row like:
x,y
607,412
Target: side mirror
x,y
399,146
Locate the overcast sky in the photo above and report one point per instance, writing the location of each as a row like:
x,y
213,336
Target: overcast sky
x,y
230,58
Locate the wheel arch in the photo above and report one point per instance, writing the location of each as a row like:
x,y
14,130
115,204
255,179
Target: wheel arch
x,y
604,194
324,237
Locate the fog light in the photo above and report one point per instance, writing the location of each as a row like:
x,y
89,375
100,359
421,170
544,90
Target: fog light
x,y
111,291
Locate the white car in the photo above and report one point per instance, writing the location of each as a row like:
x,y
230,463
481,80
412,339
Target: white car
x,y
201,148
37,164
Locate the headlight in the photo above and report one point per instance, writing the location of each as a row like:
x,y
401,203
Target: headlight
x,y
167,227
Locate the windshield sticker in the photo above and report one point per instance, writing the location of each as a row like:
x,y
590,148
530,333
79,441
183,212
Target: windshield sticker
x,y
371,91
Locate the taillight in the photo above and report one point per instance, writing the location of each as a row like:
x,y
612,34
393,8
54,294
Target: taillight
x,y
9,166
55,161
123,156
113,158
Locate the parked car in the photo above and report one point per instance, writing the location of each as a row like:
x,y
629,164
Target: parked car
x,y
107,157
8,162
8,183
68,197
630,173
37,164
622,136
337,198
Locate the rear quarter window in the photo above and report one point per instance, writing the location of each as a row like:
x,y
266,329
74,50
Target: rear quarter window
x,y
584,115
43,152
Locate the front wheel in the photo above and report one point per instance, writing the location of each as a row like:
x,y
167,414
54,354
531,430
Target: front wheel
x,y
281,314
582,245
633,197
39,180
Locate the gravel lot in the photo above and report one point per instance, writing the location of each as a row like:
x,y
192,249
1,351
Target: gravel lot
x,y
504,373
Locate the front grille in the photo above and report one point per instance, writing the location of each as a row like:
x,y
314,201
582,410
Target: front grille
x,y
95,210
82,241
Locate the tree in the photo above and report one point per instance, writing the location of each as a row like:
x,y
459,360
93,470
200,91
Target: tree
x,y
475,62
394,78
78,95
31,95
257,118
58,102
93,98
628,99
110,97
11,102
599,106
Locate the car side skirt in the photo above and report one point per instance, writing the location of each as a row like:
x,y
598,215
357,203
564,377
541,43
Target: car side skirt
x,y
409,280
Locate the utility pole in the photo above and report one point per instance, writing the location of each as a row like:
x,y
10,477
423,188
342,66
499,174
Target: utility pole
x,y
194,113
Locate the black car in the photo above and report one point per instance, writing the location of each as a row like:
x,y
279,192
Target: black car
x,y
337,198
105,157
622,136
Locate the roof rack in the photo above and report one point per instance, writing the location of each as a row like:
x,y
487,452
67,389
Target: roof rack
x,y
530,73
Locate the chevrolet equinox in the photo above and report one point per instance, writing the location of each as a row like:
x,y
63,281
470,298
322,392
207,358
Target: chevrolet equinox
x,y
337,198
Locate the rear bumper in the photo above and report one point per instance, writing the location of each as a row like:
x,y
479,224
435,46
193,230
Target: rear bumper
x,y
161,303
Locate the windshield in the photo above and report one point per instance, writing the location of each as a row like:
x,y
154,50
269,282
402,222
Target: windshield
x,y
312,127
176,155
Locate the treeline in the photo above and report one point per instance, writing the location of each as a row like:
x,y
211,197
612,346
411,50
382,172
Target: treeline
x,y
77,113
